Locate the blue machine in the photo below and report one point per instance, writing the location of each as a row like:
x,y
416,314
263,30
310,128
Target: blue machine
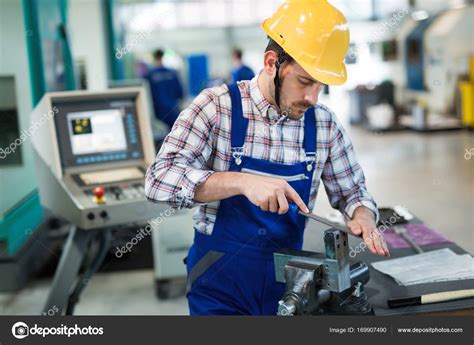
x,y
414,55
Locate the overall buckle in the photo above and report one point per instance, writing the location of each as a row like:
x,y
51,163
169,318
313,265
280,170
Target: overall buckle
x,y
310,160
237,153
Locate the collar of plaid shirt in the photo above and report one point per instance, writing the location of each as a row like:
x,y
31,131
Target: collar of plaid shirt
x,y
268,111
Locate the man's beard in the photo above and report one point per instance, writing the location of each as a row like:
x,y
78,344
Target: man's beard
x,y
296,110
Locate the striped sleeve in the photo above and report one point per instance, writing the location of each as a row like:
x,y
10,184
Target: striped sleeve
x,y
342,175
181,164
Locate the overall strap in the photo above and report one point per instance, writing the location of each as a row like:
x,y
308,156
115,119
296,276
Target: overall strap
x,y
309,141
239,122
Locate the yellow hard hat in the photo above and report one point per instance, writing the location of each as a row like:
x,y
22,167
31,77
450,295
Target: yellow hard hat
x,y
315,34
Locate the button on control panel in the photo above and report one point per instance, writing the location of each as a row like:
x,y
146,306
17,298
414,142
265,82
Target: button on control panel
x,y
118,192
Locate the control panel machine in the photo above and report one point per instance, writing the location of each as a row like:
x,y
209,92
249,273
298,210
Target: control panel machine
x,y
92,152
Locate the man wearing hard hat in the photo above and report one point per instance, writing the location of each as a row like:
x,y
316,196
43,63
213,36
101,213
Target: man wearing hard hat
x,y
244,152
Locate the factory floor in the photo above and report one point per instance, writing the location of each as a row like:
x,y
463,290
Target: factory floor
x,y
426,173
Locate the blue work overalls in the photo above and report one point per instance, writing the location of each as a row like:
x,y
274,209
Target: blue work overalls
x,y
231,271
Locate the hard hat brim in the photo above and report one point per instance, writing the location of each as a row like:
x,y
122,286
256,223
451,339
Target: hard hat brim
x,y
326,77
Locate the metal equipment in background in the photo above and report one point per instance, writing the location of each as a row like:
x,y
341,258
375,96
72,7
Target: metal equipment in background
x,y
319,283
429,88
92,150
91,154
434,57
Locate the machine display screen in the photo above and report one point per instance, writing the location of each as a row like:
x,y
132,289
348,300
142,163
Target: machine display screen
x,y
98,131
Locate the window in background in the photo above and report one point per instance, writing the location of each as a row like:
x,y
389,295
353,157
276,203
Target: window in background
x,y
140,17
384,9
355,10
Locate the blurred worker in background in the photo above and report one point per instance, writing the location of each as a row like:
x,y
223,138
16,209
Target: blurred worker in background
x,y
166,90
241,71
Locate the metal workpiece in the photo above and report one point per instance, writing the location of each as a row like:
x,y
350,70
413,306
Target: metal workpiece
x,y
335,244
337,260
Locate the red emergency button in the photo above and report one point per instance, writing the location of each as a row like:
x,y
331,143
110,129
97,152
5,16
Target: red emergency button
x,y
99,195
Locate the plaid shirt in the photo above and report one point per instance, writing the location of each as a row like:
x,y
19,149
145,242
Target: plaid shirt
x,y
199,144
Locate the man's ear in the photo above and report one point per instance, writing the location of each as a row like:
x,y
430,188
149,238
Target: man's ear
x,y
269,60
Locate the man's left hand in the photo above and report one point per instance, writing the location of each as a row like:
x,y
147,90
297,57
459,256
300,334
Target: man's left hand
x,y
363,223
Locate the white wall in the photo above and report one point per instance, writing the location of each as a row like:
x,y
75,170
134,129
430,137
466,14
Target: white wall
x,y
434,6
88,42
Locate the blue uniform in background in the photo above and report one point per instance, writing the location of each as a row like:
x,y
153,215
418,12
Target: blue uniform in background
x,y
242,72
166,91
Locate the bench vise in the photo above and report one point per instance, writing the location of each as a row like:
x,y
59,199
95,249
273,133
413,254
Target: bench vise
x,y
319,283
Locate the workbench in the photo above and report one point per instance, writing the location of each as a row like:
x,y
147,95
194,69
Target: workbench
x,y
382,287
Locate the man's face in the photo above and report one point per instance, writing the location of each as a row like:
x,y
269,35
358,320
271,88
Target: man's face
x,y
235,60
298,91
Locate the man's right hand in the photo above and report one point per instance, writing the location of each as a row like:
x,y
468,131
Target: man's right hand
x,y
270,194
